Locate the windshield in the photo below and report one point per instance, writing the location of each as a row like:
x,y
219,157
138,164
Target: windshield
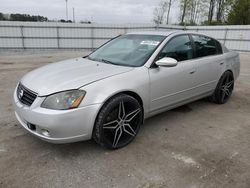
x,y
127,50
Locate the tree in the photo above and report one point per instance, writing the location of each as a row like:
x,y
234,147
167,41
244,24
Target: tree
x,y
169,7
2,16
195,11
27,17
192,11
240,13
160,12
211,11
220,7
183,6
223,7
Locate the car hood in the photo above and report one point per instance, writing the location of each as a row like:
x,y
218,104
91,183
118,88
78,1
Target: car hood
x,y
69,74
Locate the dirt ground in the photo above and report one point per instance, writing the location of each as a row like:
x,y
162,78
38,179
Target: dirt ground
x,y
197,145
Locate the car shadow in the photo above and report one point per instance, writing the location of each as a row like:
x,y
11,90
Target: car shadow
x,y
178,111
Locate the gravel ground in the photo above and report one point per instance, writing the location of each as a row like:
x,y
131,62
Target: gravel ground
x,y
197,145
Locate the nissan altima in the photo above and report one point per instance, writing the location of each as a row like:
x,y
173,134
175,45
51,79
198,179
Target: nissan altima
x,y
108,94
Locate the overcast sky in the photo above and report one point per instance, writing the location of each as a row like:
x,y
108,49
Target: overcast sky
x,y
100,11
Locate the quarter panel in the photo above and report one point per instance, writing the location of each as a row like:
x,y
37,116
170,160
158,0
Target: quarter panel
x,y
232,62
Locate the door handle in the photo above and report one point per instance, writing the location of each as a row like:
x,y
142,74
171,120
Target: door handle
x,y
192,72
221,63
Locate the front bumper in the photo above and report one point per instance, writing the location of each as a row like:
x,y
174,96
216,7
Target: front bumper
x,y
63,126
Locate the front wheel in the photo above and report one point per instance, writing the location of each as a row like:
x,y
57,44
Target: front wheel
x,y
118,122
224,88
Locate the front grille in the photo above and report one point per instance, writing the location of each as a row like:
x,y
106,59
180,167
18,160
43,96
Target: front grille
x,y
25,95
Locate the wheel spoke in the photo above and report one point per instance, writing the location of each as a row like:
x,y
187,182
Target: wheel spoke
x,y
132,114
117,136
223,95
111,125
128,129
227,92
229,84
121,113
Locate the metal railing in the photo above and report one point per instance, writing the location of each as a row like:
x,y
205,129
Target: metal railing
x,y
47,35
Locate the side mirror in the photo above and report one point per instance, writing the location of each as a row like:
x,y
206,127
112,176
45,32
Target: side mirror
x,y
167,62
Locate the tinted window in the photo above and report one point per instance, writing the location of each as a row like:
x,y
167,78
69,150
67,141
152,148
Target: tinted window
x,y
219,48
204,46
179,48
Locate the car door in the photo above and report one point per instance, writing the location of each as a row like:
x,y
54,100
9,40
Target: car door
x,y
171,85
208,60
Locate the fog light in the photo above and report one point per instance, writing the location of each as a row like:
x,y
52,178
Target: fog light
x,y
45,132
31,126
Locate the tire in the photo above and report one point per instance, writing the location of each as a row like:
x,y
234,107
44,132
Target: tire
x,y
223,89
118,122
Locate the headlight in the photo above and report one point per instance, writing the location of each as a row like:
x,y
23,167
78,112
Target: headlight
x,y
64,100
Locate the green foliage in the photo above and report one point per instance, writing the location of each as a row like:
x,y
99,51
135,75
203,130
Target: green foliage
x,y
213,22
2,16
23,17
27,17
240,13
65,21
188,24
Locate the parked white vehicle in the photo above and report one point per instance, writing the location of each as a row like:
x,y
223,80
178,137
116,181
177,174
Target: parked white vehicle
x,y
108,94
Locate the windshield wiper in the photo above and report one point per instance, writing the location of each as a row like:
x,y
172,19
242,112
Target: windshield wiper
x,y
105,61
109,62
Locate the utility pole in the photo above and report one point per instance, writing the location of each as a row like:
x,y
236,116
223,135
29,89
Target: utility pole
x,y
66,10
74,15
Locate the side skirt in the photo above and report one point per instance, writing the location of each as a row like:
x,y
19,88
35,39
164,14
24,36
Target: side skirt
x,y
182,102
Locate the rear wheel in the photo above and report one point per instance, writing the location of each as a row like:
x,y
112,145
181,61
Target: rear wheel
x,y
118,122
224,88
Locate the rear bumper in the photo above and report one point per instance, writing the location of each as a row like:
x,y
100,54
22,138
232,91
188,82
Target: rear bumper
x,y
63,126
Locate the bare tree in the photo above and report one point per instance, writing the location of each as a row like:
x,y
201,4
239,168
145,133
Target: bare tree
x,y
192,11
162,11
159,13
184,4
196,10
220,4
211,10
169,8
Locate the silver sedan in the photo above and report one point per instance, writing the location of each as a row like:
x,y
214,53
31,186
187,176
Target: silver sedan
x,y
108,94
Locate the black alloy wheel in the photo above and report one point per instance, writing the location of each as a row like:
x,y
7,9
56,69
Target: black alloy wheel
x,y
224,88
118,122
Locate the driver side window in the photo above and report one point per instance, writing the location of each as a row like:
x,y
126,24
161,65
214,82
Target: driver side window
x,y
179,48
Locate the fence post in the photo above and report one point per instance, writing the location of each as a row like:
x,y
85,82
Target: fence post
x,y
184,27
125,30
22,36
156,27
225,36
92,37
58,37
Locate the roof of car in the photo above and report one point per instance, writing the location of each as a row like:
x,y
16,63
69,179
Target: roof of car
x,y
167,33
163,33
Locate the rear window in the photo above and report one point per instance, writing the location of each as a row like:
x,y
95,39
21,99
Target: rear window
x,y
204,46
